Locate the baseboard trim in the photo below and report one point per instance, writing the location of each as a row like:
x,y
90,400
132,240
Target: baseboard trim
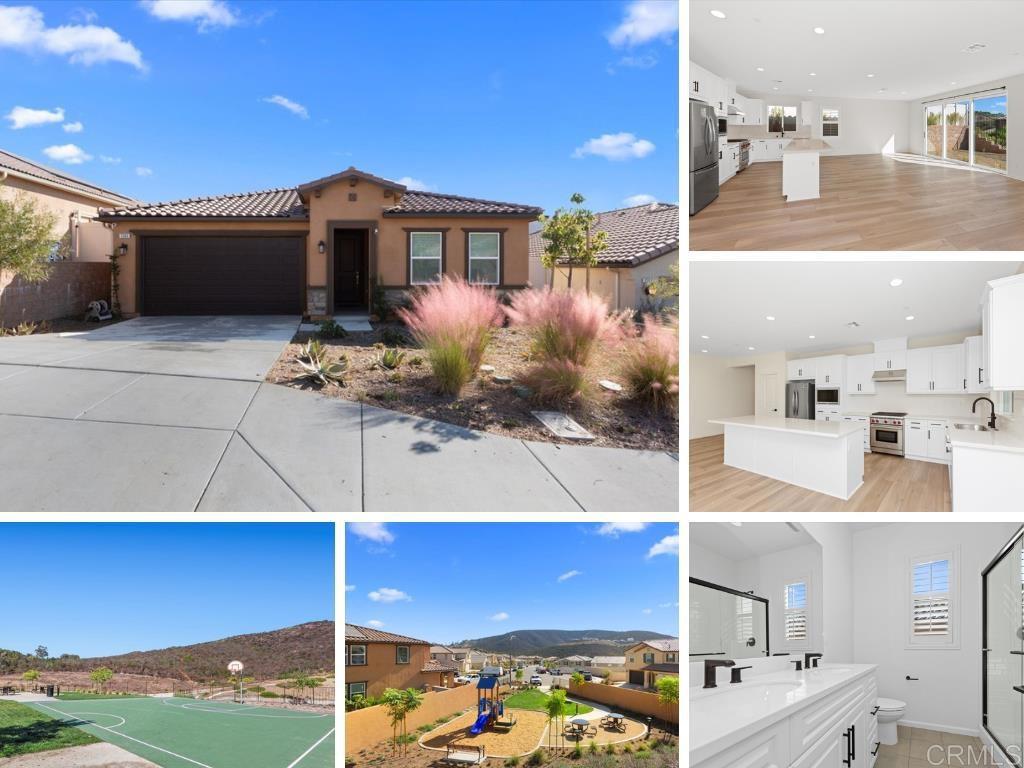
x,y
940,727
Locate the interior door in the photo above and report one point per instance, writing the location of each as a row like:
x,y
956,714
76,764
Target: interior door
x,y
768,387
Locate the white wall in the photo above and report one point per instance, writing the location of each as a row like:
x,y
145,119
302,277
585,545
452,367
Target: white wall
x,y
1014,128
866,126
947,695
711,566
718,388
837,586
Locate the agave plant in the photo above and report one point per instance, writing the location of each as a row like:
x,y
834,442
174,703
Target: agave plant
x,y
318,369
390,358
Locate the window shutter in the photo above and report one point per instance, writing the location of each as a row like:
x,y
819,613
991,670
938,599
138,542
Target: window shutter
x,y
744,619
796,612
931,600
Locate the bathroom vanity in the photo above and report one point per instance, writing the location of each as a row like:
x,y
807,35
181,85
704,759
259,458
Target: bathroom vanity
x,y
824,717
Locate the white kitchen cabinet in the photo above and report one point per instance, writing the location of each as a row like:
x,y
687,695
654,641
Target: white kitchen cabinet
x,y
936,434
700,82
891,354
859,372
758,151
935,370
828,413
808,112
800,369
974,365
865,422
754,112
726,169
1003,311
925,440
828,372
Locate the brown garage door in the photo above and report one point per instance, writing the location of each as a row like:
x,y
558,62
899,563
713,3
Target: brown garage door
x,y
229,275
636,678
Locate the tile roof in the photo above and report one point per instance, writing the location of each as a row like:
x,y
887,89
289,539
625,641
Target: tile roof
x,y
441,649
439,666
667,645
355,633
268,204
415,203
635,235
599,660
20,165
661,668
350,172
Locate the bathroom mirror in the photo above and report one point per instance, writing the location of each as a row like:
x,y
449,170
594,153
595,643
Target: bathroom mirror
x,y
755,590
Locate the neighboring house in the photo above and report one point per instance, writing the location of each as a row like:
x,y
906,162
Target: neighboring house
x,y
376,661
615,666
643,242
477,660
316,249
77,235
575,662
461,658
652,659
443,653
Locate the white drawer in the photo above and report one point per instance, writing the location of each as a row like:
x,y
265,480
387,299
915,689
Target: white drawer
x,y
812,723
766,749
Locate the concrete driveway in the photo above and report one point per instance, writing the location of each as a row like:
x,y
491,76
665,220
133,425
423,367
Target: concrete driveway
x,y
170,414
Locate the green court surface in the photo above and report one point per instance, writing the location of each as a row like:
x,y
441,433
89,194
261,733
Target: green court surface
x,y
185,733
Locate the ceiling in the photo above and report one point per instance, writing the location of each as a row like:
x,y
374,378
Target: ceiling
x,y
730,301
748,539
914,48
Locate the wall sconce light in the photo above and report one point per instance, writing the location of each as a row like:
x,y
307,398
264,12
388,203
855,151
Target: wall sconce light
x,y
321,247
123,249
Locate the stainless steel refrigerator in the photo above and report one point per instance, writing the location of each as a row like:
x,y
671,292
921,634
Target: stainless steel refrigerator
x,y
703,155
800,400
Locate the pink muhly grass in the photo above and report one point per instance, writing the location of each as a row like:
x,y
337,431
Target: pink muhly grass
x,y
564,325
558,381
650,364
453,321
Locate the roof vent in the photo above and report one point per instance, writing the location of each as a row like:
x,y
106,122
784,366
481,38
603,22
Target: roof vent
x,y
653,206
973,48
853,324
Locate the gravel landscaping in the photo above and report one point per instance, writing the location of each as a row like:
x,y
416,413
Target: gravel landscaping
x,y
484,404
521,739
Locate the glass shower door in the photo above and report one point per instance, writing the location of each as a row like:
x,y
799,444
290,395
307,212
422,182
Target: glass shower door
x,y
1003,704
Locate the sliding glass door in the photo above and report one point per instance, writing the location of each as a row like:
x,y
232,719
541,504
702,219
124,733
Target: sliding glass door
x,y
968,130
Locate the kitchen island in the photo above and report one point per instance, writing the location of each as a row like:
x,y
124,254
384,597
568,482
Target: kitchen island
x,y
801,169
822,456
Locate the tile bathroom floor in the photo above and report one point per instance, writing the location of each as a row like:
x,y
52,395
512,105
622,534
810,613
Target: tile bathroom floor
x,y
921,748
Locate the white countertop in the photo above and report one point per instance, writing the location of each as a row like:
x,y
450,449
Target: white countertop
x,y
806,145
724,716
811,427
1000,440
969,419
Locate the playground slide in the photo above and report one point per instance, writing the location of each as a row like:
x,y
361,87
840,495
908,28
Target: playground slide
x,y
480,724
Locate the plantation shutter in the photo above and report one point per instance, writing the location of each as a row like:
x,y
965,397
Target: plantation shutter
x,y
744,619
795,602
931,599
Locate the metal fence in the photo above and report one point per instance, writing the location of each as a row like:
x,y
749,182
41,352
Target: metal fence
x,y
262,693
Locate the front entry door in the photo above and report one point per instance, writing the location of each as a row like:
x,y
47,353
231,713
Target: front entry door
x,y
350,268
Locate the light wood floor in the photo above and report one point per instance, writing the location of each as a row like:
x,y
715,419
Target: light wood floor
x,y
891,484
867,203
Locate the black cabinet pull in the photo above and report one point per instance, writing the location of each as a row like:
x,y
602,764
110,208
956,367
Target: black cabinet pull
x,y
875,710
1019,688
878,745
853,742
912,678
849,758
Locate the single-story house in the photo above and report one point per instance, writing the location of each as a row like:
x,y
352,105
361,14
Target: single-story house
x,y
377,660
315,249
650,660
574,662
643,242
614,666
77,235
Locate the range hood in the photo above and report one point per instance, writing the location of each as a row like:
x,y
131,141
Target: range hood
x,y
732,109
898,375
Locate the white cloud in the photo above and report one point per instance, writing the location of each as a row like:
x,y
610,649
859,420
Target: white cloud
x,y
646,20
207,13
668,605
389,595
667,546
350,587
86,15
25,117
110,160
569,574
141,170
67,153
501,616
643,61
614,529
75,127
293,107
633,200
646,610
23,28
615,146
375,623
416,184
373,531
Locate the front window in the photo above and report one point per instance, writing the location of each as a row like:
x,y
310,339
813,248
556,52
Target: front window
x,y
484,257
425,257
402,654
355,655
648,658
355,691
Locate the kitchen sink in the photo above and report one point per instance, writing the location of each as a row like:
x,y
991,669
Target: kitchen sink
x,y
974,427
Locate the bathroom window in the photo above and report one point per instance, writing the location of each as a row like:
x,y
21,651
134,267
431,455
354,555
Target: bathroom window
x,y
794,601
933,586
744,619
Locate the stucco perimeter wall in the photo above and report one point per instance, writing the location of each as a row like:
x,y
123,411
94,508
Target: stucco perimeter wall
x,y
628,699
128,262
93,238
67,292
367,727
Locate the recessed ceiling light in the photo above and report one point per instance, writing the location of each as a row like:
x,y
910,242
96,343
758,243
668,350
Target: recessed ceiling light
x,y
769,317
718,14
819,31
903,93
760,69
810,90
703,350
738,525
812,74
751,349
811,336
896,282
870,75
705,337
953,83
909,317
775,87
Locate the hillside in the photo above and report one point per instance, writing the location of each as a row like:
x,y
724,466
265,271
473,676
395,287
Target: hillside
x,y
303,648
562,642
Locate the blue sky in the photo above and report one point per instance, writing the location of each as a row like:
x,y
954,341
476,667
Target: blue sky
x,y
105,588
446,582
520,101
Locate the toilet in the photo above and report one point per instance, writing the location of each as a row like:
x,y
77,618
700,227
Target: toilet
x,y
890,712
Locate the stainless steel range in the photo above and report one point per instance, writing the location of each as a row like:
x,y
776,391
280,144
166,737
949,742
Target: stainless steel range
x,y
744,153
887,432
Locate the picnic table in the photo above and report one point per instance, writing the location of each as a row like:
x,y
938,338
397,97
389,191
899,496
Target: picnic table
x,y
614,721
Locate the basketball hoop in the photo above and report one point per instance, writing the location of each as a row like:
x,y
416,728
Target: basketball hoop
x,y
235,668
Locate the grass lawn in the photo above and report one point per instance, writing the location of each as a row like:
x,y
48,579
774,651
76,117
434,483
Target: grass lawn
x,y
536,700
72,696
23,730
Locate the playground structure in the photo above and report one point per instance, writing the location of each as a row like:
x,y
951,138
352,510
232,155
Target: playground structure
x,y
490,707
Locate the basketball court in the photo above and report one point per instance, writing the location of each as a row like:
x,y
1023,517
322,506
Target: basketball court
x,y
190,733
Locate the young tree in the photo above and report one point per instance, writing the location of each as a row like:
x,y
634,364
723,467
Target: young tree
x,y
32,675
26,237
577,678
569,238
42,652
519,675
101,676
413,700
394,703
668,690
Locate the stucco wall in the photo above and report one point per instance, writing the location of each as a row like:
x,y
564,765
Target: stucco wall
x,y
631,280
367,727
93,238
640,702
67,292
381,672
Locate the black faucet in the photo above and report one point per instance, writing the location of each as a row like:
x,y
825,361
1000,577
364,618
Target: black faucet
x,y
992,417
710,665
809,657
799,664
735,674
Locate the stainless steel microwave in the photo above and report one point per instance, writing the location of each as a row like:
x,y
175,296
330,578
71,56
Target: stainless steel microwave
x,y
827,396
